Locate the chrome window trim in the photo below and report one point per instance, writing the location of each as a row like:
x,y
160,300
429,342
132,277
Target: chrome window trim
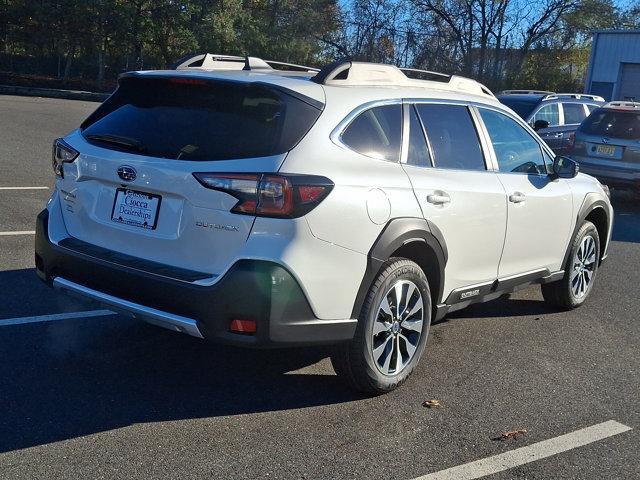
x,y
485,140
407,108
404,146
336,133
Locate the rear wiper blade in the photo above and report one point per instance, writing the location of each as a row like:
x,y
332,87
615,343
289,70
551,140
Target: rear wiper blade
x,y
123,142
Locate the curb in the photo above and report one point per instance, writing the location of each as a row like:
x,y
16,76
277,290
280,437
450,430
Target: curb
x,y
53,93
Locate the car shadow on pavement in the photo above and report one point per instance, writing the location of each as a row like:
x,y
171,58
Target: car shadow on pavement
x,y
64,379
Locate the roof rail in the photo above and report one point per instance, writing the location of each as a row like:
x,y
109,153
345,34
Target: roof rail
x,y
623,104
348,73
525,92
577,96
212,61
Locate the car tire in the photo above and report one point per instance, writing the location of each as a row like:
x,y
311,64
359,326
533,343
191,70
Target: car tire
x,y
580,271
391,333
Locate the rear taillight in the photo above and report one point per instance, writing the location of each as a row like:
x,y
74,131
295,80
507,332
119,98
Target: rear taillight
x,y
270,195
62,153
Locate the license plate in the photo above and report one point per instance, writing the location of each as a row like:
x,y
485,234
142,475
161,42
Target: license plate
x,y
606,149
138,209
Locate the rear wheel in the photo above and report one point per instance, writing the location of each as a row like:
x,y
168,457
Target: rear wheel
x,y
580,272
392,330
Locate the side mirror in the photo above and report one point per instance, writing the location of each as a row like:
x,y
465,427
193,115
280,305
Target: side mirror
x,y
540,124
564,167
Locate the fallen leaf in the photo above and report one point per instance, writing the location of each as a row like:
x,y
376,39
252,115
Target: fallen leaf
x,y
511,434
432,404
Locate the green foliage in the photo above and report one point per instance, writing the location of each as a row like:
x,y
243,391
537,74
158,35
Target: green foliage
x,y
97,39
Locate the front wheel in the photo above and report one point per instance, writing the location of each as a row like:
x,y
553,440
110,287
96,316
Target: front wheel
x,y
392,330
580,271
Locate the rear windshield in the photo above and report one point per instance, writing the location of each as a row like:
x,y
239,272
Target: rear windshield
x,y
192,119
522,107
613,123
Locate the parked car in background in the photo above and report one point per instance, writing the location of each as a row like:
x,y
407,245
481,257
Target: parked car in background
x,y
554,116
607,145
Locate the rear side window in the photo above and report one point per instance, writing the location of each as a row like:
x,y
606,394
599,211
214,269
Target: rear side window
x,y
613,123
549,113
376,132
453,137
418,154
573,113
190,119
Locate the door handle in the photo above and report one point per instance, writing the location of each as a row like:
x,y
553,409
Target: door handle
x,y
517,197
440,199
559,135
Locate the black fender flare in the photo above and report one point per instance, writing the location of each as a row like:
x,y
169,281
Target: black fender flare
x,y
397,233
589,204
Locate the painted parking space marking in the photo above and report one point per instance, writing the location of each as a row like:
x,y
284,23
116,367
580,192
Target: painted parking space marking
x,y
55,317
24,188
23,232
530,453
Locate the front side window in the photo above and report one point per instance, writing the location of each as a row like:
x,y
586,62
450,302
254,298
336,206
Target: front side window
x,y
549,113
516,150
376,132
573,113
452,136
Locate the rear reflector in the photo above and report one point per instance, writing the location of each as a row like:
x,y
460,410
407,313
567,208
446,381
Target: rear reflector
x,y
270,195
243,326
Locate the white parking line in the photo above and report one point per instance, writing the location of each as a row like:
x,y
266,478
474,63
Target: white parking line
x,y
23,232
530,453
55,317
24,188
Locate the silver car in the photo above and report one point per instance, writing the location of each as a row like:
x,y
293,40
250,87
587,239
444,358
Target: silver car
x,y
607,145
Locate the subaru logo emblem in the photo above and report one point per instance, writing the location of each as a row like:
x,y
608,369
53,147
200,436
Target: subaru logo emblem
x,y
127,173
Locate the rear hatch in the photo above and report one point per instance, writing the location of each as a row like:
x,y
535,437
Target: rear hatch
x,y
132,188
609,138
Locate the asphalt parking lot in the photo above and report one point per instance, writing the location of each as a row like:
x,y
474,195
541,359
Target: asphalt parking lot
x,y
104,396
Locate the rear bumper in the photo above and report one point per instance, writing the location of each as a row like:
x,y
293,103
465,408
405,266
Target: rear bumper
x,y
627,178
251,290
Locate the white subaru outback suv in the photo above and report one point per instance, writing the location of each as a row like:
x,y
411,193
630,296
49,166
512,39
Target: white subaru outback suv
x,y
351,206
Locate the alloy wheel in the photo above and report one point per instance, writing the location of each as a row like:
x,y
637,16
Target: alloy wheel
x,y
398,327
584,265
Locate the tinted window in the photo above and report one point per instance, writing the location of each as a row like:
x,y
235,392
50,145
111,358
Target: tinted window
x,y
452,135
418,154
592,107
516,150
573,113
550,113
612,123
521,106
189,119
376,132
